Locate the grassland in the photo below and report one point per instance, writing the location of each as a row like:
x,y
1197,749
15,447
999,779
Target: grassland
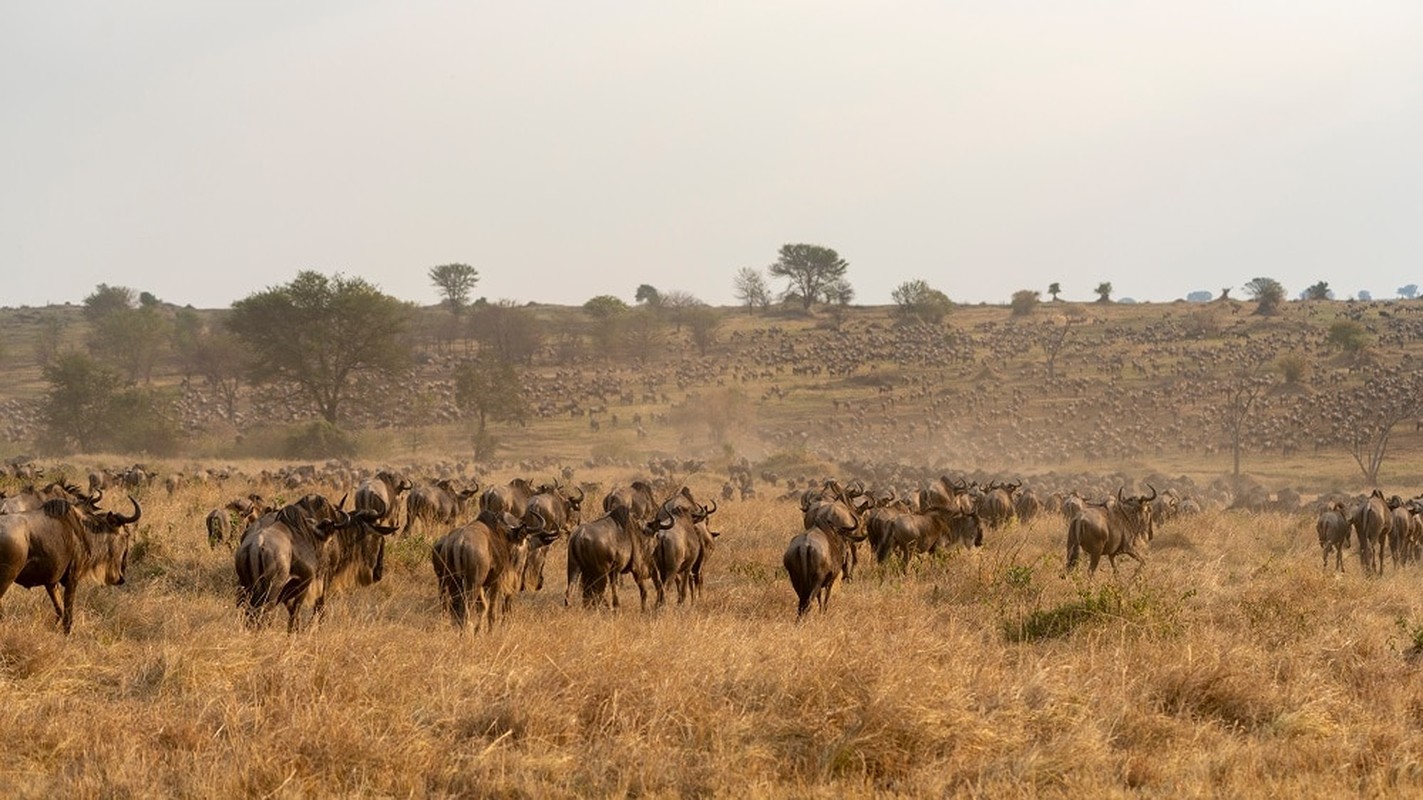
x,y
1231,665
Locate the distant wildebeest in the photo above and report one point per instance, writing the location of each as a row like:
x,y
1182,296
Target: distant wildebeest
x,y
227,524
638,498
31,498
605,548
381,494
511,498
439,503
61,543
1334,529
815,559
996,507
302,549
480,565
1111,529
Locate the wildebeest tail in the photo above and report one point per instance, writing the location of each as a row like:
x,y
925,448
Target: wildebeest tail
x,y
800,563
258,583
1074,541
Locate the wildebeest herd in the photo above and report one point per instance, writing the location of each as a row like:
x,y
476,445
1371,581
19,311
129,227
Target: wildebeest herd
x,y
493,544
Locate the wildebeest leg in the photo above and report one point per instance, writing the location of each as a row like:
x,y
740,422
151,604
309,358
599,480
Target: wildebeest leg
x,y
610,580
825,593
67,618
1096,558
641,582
1140,562
54,601
854,560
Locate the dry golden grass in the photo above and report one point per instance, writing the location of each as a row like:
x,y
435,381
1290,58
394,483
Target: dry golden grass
x,y
1231,666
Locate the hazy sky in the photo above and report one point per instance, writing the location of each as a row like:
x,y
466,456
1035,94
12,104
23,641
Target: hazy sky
x,y
206,150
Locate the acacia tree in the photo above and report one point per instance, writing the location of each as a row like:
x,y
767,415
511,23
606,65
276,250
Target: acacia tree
x,y
1024,302
647,293
1319,291
811,270
490,389
1054,289
510,331
1055,335
1268,294
320,334
751,289
917,299
1362,418
1240,396
702,325
1104,292
455,282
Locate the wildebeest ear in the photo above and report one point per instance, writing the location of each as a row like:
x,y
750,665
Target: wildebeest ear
x,y
384,530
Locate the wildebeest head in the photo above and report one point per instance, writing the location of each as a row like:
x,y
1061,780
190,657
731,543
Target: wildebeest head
x,y
1137,509
109,563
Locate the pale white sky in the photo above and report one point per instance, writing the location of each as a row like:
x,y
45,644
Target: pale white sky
x,y
206,150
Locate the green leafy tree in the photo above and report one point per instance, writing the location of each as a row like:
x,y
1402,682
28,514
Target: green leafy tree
x,y
1024,302
1054,289
1319,291
88,408
703,322
916,299
751,290
1348,336
1408,291
322,334
220,357
455,282
489,389
1104,292
1268,295
647,293
607,313
132,338
508,330
810,269
106,300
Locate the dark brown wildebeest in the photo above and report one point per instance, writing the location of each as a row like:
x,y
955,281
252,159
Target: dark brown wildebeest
x,y
834,508
1372,522
61,543
605,548
885,510
381,494
815,559
303,549
512,498
1110,529
1334,529
638,498
439,503
560,512
681,543
996,507
924,532
227,524
1028,505
480,564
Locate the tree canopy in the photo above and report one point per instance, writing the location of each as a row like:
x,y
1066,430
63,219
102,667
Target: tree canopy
x,y
320,334
1268,294
813,272
751,289
1104,292
917,299
455,282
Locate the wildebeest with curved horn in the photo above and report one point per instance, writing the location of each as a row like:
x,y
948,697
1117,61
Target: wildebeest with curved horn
x,y
815,559
559,512
681,543
1373,522
440,503
924,532
1111,529
61,543
303,549
381,494
480,564
605,548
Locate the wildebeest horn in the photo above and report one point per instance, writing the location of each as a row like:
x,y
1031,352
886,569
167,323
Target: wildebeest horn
x,y
341,506
1120,499
856,488
708,512
804,503
1153,493
580,496
666,523
404,485
137,512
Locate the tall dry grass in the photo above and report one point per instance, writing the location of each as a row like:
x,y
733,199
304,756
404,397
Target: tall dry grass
x,y
1232,665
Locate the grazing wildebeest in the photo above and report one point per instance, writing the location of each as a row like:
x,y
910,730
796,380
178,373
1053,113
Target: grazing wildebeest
x,y
681,543
480,564
61,543
1372,522
31,499
1111,529
815,559
440,503
1334,529
381,494
600,550
302,549
834,508
227,524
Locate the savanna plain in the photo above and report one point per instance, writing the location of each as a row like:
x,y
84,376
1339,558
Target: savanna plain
x,y
1232,664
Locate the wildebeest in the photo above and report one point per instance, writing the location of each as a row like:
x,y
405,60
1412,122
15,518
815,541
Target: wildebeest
x,y
31,498
559,513
439,503
609,546
1111,529
303,549
227,524
480,564
909,534
681,543
835,508
815,559
381,494
1372,522
638,498
1334,529
511,498
61,543
996,507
